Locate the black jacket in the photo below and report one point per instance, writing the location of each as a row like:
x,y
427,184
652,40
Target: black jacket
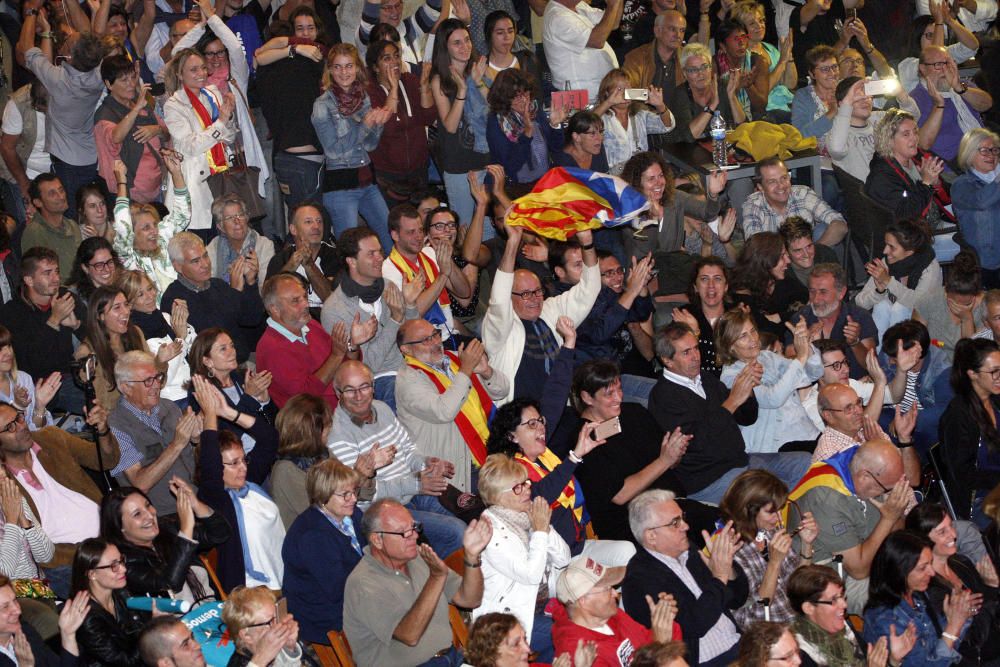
x,y
900,194
645,575
155,571
717,446
964,472
110,641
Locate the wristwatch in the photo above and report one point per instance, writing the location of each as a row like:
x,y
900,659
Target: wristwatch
x,y
707,109
31,12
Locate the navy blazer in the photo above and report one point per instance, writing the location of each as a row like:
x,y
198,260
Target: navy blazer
x,y
647,575
318,558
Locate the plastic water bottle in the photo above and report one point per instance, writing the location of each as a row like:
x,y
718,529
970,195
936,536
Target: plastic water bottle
x,y
717,129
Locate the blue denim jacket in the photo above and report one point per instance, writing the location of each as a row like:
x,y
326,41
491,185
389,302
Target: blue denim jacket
x,y
474,113
930,649
346,140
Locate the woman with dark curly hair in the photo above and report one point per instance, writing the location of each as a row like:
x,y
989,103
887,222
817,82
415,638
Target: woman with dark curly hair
x,y
953,572
583,143
96,265
520,134
759,266
648,173
497,640
901,573
767,642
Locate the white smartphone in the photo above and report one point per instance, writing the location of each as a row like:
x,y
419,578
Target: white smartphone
x,y
881,87
637,94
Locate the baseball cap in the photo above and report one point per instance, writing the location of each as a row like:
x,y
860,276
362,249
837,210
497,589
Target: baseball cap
x,y
582,575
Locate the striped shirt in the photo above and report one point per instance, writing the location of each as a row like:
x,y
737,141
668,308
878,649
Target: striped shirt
x,y
348,441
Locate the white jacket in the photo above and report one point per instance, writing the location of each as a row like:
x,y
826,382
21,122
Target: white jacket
x,y
512,573
193,142
503,332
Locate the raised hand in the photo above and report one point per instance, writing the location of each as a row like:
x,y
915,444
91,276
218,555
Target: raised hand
x,y
257,383
901,645
808,528
22,650
185,428
722,547
800,339
469,356
879,271
179,318
895,502
413,288
566,329
716,182
585,442
673,446
338,340
71,617
727,225
227,107
930,169
852,332
540,515
22,398
478,189
661,616
477,536
906,359
986,570
684,316
169,351
362,332
10,501
878,653
393,298
904,423
779,546
874,368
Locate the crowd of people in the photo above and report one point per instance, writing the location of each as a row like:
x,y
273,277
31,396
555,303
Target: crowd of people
x,y
269,338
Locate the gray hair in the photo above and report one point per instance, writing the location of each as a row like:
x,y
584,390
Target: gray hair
x,y
220,204
695,49
971,142
128,362
269,293
640,510
667,337
371,522
181,242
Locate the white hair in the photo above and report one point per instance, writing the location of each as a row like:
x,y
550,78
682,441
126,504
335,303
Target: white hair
x,y
640,510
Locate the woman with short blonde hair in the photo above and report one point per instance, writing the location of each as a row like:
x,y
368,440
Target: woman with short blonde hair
x,y
250,614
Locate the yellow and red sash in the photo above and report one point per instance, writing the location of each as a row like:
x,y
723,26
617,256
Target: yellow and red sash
x,y
217,154
473,420
409,270
827,474
569,498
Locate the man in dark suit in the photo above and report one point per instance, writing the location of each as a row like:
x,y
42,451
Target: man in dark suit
x,y
705,588
12,655
706,409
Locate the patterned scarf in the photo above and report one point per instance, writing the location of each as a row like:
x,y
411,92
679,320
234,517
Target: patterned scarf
x,y
473,420
511,124
350,100
837,650
217,154
571,497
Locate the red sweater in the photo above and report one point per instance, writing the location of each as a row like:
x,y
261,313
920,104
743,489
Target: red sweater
x,y
293,365
614,650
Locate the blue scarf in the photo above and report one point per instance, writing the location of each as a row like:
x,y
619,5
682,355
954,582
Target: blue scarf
x,y
236,496
346,528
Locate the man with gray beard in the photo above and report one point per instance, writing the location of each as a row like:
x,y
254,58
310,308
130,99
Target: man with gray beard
x,y
949,107
830,316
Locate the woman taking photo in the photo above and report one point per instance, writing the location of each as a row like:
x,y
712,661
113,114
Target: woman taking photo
x,y
230,483
401,157
261,638
109,635
110,334
583,143
762,262
92,213
213,357
501,35
321,549
970,442
525,554
203,130
648,173
95,265
141,237
348,127
901,572
520,135
976,195
18,389
701,95
782,423
160,560
954,572
907,275
753,502
628,124
460,98
161,329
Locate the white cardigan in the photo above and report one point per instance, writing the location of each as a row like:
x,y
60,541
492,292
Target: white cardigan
x,y
193,142
512,572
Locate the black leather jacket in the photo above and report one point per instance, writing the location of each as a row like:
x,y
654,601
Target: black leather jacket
x,y
164,567
112,641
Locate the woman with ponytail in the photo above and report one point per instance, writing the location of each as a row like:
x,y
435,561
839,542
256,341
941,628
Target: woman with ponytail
x,y
970,442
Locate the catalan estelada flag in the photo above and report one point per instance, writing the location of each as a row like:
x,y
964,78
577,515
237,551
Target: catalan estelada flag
x,y
567,200
833,473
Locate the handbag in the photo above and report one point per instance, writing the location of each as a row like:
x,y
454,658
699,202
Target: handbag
x,y
240,179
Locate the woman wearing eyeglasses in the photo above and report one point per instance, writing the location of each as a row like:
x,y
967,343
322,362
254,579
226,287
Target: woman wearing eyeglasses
x,y
970,442
161,558
753,502
901,573
110,334
782,423
701,95
230,484
767,643
96,265
583,143
321,549
976,195
525,554
261,638
109,634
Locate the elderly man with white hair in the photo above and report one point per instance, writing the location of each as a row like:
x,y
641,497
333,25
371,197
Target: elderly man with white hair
x,y
236,307
707,589
154,436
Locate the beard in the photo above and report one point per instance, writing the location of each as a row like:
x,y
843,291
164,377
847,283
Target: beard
x,y
824,311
